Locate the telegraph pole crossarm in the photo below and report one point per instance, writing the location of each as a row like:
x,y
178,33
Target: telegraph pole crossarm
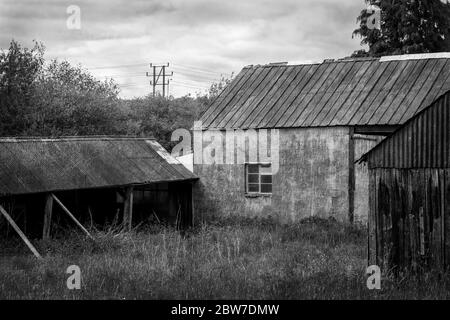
x,y
159,72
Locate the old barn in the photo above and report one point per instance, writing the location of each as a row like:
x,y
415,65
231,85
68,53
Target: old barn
x,y
409,217
96,180
325,116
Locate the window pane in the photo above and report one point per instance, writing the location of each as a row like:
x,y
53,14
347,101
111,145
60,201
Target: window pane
x,y
266,169
253,187
266,188
253,178
253,168
266,179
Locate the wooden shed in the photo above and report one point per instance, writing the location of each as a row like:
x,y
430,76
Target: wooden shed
x,y
97,180
409,185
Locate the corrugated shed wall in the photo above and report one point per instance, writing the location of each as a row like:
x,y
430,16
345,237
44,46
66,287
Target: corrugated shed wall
x,y
423,142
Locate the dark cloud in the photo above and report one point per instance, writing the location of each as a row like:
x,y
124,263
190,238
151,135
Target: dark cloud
x,y
201,38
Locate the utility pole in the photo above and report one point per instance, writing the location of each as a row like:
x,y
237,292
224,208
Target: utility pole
x,y
159,76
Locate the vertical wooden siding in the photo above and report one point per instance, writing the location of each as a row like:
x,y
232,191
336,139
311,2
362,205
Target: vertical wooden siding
x,y
409,219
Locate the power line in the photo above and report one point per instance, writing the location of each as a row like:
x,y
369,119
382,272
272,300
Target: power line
x,y
184,83
159,75
180,84
194,76
189,76
200,77
128,85
181,66
174,83
196,69
119,66
192,83
127,75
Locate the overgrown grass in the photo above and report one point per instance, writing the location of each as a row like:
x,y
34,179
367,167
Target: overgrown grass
x,y
227,259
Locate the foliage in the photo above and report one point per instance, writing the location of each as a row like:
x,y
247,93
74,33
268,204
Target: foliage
x,y
407,27
70,101
159,117
19,71
52,99
217,87
58,99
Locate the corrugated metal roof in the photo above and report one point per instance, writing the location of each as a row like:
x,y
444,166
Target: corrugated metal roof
x,y
423,142
332,93
40,165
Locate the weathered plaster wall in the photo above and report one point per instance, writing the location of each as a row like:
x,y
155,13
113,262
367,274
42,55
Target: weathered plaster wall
x,y
313,175
312,180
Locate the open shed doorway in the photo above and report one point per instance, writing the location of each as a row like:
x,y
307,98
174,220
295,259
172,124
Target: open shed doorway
x,y
167,204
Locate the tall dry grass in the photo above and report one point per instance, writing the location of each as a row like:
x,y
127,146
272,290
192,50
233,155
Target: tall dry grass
x,y
227,259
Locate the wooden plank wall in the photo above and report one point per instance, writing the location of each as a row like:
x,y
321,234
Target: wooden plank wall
x,y
409,218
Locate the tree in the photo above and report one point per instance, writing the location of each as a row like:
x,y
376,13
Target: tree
x,y
70,101
407,27
19,71
158,117
54,99
217,87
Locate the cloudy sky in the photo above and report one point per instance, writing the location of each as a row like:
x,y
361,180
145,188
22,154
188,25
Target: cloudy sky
x,y
202,39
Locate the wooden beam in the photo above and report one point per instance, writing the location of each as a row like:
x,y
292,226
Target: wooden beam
x,y
47,217
376,130
128,209
351,176
191,196
72,216
21,234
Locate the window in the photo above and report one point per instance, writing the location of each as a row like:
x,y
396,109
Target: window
x,y
258,178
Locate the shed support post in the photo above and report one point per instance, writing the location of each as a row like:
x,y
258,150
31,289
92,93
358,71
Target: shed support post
x,y
128,209
191,198
47,217
19,232
351,176
72,216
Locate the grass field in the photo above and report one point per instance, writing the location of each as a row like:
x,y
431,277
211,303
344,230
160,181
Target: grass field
x,y
245,259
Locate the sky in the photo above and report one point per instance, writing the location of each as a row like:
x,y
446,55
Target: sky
x,y
202,40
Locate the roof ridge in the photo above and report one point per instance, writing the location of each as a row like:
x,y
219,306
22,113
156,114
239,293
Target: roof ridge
x,y
286,64
419,56
416,56
71,138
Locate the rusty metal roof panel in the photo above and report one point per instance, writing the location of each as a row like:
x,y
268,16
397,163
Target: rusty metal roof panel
x,y
40,165
266,88
377,91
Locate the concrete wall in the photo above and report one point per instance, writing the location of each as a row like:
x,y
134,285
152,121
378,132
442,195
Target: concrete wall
x,y
363,144
312,180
